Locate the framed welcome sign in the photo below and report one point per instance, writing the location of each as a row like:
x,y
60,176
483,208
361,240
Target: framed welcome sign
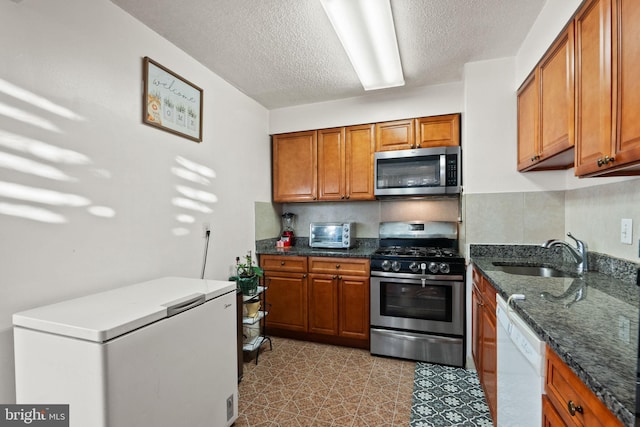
x,y
170,102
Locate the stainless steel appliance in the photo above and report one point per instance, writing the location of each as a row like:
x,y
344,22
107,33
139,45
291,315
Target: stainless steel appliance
x,y
418,293
419,172
335,235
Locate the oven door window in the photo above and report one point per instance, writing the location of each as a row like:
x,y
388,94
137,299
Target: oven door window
x,y
408,172
431,302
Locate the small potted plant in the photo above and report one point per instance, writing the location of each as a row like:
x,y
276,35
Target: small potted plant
x,y
247,275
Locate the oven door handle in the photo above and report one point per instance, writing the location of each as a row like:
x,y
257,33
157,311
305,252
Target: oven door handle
x,y
414,337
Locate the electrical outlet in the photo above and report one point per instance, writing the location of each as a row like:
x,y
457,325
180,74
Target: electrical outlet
x,y
626,231
205,227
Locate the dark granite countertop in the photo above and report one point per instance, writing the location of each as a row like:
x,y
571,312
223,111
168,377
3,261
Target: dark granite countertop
x,y
597,335
363,248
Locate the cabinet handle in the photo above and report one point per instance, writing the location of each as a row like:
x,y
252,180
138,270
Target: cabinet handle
x,y
573,408
337,266
281,262
606,160
304,276
334,277
339,277
347,197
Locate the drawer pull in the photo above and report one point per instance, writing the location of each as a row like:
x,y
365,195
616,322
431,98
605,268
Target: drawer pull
x,y
337,266
281,262
573,408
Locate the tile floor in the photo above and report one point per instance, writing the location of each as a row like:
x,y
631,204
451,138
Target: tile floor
x,y
310,384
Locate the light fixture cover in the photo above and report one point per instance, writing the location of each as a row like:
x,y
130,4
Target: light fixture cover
x,y
366,30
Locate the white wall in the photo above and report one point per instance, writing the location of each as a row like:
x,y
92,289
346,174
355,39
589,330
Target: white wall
x,y
552,18
84,58
376,106
490,133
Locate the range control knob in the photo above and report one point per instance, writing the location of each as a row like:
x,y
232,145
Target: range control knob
x,y
386,265
444,268
433,267
414,267
395,266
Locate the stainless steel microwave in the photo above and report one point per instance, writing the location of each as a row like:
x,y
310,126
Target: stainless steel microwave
x,y
419,172
332,235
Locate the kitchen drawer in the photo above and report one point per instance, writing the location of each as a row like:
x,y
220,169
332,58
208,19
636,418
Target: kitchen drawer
x,y
343,266
292,264
574,402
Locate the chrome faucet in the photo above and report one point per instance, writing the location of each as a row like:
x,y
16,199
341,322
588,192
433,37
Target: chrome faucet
x,y
579,253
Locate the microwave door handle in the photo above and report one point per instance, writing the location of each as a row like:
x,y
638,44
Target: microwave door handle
x,y
443,170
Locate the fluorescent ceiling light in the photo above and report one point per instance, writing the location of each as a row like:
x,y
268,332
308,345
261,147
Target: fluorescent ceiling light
x,y
366,30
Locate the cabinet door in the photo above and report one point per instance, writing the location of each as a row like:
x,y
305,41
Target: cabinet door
x,y
567,393
295,167
550,417
627,54
354,307
557,99
359,149
528,120
331,164
489,359
396,135
286,299
323,304
438,131
593,86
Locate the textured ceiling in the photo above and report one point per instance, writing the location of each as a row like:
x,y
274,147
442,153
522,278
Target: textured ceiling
x,y
284,52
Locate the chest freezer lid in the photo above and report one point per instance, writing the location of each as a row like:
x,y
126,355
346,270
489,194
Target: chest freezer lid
x,y
106,315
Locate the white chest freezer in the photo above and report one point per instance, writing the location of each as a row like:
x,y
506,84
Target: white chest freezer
x,y
161,353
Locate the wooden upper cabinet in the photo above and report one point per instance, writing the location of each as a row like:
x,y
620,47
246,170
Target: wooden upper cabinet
x,y
528,122
359,149
627,68
438,131
593,85
331,164
546,110
607,90
395,135
294,167
557,100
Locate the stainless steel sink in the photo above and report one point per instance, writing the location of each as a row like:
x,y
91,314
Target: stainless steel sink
x,y
531,270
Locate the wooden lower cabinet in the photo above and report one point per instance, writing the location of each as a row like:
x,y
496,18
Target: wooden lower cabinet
x,y
286,299
323,305
574,403
550,417
318,298
484,338
353,303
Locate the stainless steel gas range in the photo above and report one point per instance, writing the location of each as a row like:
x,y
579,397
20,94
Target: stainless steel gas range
x,y
418,293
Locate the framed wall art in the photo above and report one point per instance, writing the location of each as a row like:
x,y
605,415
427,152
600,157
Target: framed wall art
x,y
170,102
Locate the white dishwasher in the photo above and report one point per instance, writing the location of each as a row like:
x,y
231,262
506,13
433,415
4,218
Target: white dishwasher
x,y
521,370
